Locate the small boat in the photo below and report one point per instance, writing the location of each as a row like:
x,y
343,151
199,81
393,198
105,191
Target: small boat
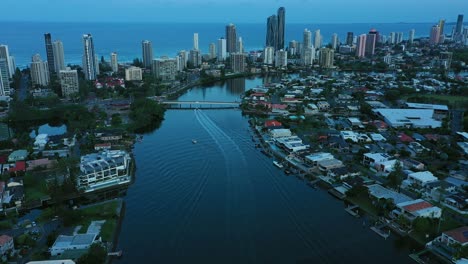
x,y
194,141
277,164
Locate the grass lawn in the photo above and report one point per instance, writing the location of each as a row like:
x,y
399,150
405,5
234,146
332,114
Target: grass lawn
x,y
364,203
6,224
35,187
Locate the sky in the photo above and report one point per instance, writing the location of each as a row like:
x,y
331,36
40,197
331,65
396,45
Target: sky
x,y
237,11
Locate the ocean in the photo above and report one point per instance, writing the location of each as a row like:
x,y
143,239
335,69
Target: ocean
x,y
27,38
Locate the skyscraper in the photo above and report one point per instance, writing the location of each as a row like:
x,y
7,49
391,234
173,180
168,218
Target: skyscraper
x,y
114,62
237,62
371,39
293,48
281,59
269,55
59,60
281,28
184,58
195,58
147,48
4,78
326,57
392,38
195,41
399,37
5,54
90,63
434,35
307,38
240,45
231,38
441,26
69,82
459,27
39,71
272,31
212,50
361,46
221,49
334,41
317,39
308,56
49,52
349,38
411,36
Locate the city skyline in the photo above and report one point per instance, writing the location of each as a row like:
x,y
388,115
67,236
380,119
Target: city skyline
x,y
226,12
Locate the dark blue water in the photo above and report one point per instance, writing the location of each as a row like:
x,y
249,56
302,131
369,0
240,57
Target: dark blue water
x,y
222,201
27,38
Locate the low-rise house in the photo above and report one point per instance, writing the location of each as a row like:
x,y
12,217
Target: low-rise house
x,y
314,158
70,243
413,164
6,244
420,179
342,173
326,165
338,143
417,208
62,153
323,105
291,144
371,159
18,155
273,124
377,137
450,243
457,200
377,192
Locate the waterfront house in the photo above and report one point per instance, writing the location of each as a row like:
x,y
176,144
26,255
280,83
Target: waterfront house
x,y
72,243
377,192
450,243
417,208
326,165
272,124
105,169
314,158
6,244
102,146
41,141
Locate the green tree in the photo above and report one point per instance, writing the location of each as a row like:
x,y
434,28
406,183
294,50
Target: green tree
x,y
96,255
395,178
146,115
116,120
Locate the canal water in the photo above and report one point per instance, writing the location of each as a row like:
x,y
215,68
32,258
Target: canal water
x,y
222,201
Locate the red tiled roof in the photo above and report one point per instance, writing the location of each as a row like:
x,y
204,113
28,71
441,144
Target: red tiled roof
x,y
279,106
19,166
405,138
432,137
459,234
4,239
272,123
417,206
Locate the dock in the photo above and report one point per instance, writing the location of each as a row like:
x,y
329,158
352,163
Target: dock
x,y
352,210
379,230
115,254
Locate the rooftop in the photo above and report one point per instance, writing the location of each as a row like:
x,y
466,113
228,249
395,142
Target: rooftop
x,y
459,234
379,192
423,176
416,205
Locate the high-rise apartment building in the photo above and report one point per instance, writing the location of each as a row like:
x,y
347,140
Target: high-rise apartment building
x,y
133,74
281,28
114,62
240,45
69,82
371,39
5,54
237,62
4,78
165,69
459,26
281,59
59,57
231,38
212,50
334,41
326,57
39,71
49,53
269,55
411,36
221,49
434,35
272,31
361,45
317,39
349,38
195,41
195,57
147,49
308,56
90,62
